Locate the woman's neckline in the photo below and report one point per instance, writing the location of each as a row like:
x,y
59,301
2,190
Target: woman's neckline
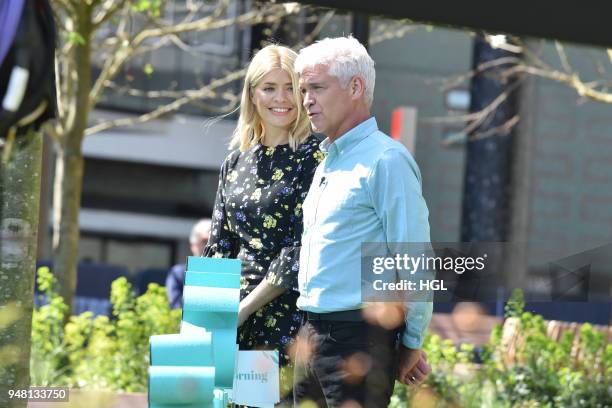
x,y
275,146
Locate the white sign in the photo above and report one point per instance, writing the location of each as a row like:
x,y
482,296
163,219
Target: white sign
x,y
256,378
188,328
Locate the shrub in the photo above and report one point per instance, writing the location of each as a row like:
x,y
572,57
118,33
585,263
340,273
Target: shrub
x,y
98,353
112,354
542,372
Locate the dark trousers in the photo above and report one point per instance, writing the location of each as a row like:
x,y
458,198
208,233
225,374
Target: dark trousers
x,y
340,362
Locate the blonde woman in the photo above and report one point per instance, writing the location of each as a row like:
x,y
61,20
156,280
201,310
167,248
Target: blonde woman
x,y
257,216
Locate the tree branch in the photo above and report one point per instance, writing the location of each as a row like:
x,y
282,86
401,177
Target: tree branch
x,y
321,22
401,29
573,80
475,117
204,24
219,110
49,128
563,58
173,38
201,93
113,61
461,137
125,90
65,5
109,9
61,112
452,82
504,128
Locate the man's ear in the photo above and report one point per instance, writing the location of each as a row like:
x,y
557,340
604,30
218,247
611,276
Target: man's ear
x,y
357,87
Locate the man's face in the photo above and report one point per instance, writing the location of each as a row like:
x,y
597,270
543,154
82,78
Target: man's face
x,y
197,245
328,104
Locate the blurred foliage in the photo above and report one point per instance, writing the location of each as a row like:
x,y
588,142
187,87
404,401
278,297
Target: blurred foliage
x,y
113,354
152,7
98,353
543,372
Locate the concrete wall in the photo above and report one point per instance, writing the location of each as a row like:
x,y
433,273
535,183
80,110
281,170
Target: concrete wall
x,y
570,162
563,163
412,71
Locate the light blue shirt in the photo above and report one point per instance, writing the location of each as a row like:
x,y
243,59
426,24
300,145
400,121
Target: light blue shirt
x,y
367,189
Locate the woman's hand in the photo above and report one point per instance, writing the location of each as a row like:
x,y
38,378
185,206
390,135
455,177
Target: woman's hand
x,y
243,314
260,296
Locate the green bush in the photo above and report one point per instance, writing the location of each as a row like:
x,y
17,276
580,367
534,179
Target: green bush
x,y
544,373
113,354
98,353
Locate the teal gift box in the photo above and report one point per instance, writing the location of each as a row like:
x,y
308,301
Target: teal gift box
x,y
196,367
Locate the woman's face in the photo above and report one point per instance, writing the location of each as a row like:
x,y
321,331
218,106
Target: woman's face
x,y
273,100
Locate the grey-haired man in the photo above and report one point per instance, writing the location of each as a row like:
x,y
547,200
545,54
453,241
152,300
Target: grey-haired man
x,y
367,189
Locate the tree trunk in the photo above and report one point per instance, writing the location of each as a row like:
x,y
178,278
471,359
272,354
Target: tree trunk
x,y
46,192
486,193
69,169
19,199
68,186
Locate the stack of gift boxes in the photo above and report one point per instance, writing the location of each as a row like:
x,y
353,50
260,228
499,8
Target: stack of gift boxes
x,y
196,367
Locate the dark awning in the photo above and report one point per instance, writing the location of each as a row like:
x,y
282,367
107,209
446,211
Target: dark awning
x,y
582,22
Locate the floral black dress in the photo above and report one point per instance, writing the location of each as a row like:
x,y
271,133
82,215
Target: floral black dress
x,y
257,218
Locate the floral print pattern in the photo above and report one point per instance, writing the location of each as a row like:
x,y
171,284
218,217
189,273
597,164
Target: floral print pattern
x,y
257,218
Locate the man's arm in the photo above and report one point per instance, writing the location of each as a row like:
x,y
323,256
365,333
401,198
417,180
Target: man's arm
x,y
395,188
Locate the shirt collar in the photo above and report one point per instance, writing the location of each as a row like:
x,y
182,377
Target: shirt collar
x,y
350,138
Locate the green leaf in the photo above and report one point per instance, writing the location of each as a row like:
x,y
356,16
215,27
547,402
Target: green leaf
x,y
516,304
148,69
153,7
75,38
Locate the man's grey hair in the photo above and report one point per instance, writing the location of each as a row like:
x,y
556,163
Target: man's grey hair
x,y
200,229
345,58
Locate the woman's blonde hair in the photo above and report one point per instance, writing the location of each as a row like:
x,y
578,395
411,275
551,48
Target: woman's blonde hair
x,y
250,129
